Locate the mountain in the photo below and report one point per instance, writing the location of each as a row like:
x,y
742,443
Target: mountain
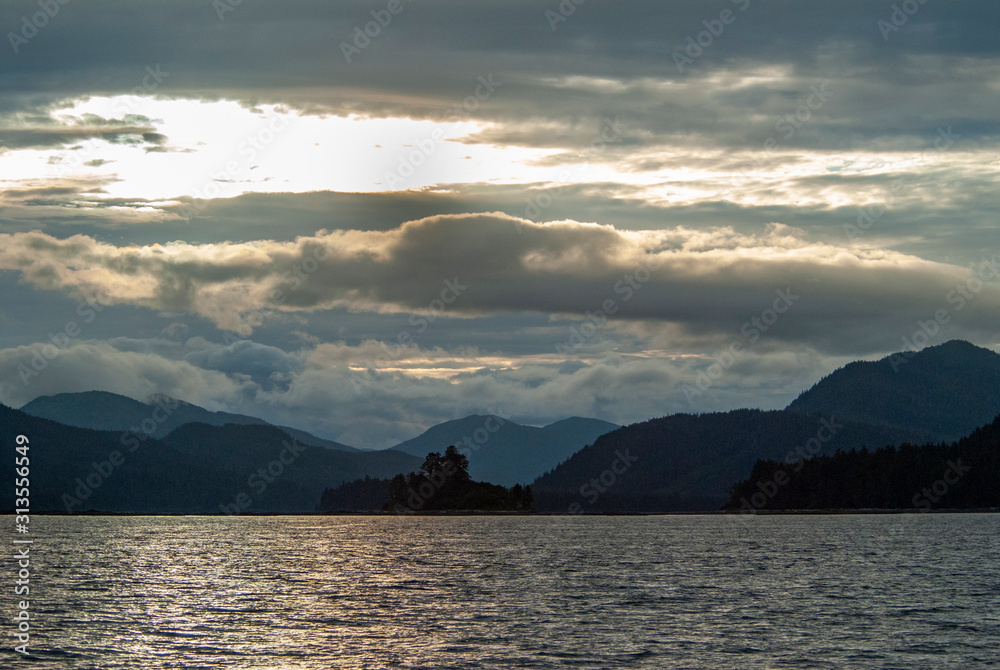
x,y
679,462
946,391
962,475
161,414
689,462
256,453
507,453
196,469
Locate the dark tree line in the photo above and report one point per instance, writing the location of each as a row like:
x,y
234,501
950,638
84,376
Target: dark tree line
x,y
687,462
361,495
963,475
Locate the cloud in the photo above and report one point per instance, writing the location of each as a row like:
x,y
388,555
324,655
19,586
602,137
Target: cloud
x,y
703,163
327,392
94,365
604,60
475,264
265,365
45,137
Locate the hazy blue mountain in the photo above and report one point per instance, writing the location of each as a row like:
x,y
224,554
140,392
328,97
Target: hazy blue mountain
x,y
100,410
690,462
197,468
946,391
507,453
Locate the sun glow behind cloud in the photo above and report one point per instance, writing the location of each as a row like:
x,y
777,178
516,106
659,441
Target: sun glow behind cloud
x,y
223,149
151,152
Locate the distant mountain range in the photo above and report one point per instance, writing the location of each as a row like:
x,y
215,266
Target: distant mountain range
x,y
111,453
189,459
507,453
157,417
687,462
196,469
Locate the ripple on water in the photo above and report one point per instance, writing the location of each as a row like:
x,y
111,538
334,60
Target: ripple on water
x,y
511,592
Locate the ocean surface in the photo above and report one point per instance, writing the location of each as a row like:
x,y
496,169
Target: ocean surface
x,y
873,591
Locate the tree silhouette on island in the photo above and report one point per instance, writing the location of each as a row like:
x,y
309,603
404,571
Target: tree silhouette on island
x,y
442,484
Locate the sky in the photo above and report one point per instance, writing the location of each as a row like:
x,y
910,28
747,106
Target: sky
x,y
367,218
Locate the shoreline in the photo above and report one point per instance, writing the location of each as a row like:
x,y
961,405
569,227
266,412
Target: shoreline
x,y
474,513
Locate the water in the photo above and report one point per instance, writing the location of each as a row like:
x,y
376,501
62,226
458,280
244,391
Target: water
x,y
913,591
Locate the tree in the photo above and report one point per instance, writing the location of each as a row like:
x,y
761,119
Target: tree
x,y
443,483
432,464
459,463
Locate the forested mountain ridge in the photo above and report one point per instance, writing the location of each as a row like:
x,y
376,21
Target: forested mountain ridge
x,y
690,462
196,469
946,391
157,417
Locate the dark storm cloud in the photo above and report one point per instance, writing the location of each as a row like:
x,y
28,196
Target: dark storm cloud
x,y
605,59
705,281
887,97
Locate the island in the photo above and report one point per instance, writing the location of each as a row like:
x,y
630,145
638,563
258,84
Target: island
x,y
442,484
